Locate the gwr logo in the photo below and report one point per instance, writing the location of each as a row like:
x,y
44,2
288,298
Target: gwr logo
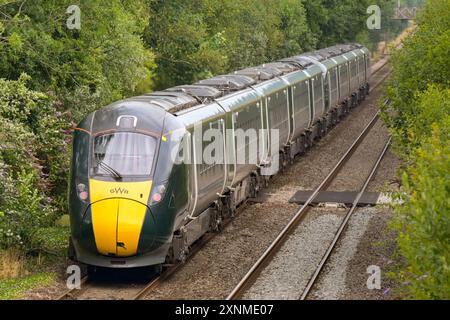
x,y
119,191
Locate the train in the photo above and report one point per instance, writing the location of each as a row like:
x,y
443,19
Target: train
x,y
133,203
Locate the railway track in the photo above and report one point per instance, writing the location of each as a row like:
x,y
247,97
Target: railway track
x,y
172,270
272,250
73,293
379,75
343,225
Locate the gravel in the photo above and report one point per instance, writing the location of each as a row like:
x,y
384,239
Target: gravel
x,y
288,273
293,265
368,241
213,272
386,179
333,284
376,247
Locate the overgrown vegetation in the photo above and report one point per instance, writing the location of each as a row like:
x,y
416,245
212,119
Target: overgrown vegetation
x,y
51,77
419,120
14,288
196,39
32,160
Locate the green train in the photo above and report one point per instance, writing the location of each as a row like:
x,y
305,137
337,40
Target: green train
x,y
133,203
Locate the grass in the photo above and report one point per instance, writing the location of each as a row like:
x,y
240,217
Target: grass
x,y
12,264
15,279
14,288
52,240
20,273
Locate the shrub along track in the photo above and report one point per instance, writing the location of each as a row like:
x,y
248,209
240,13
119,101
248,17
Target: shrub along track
x,y
213,271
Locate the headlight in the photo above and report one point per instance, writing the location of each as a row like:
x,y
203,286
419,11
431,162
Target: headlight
x,y
82,192
158,193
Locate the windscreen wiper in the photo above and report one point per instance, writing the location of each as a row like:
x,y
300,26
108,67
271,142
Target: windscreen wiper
x,y
110,170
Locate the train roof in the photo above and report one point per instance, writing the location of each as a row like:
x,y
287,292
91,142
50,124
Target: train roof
x,y
180,98
228,83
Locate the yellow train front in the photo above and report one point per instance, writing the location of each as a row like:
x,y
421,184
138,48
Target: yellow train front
x,y
122,195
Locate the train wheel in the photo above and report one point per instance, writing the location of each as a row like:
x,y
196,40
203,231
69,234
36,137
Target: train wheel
x,y
217,223
170,258
310,140
324,127
182,257
283,162
254,187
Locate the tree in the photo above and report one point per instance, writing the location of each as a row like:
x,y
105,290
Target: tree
x,y
28,131
87,68
193,40
78,71
422,61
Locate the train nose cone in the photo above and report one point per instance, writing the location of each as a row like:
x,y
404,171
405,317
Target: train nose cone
x,y
118,211
117,225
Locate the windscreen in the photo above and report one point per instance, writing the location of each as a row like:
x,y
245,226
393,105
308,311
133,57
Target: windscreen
x,y
123,154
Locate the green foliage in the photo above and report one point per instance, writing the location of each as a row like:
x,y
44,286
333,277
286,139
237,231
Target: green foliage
x,y
52,240
424,218
419,120
25,184
196,39
15,288
87,68
430,108
422,61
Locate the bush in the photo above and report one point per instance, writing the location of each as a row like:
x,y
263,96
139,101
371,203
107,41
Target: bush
x,y
32,158
104,61
424,219
423,61
52,240
419,121
427,108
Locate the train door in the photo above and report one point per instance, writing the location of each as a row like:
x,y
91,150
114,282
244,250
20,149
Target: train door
x,y
249,141
367,61
317,96
311,100
344,80
278,111
327,91
302,113
209,163
362,70
334,91
291,111
353,75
